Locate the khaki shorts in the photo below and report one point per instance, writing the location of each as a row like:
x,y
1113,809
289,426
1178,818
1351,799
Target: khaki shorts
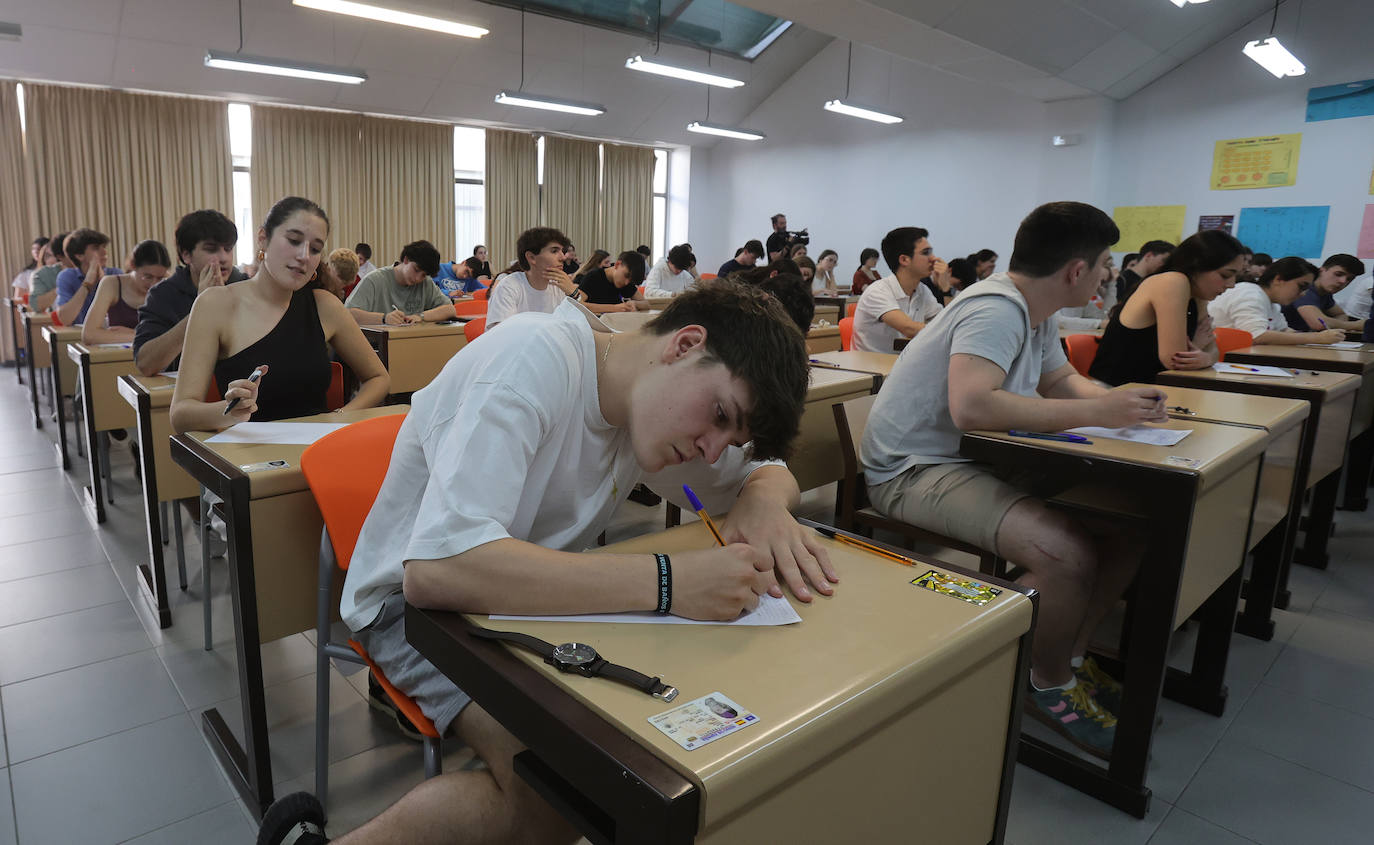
x,y
963,500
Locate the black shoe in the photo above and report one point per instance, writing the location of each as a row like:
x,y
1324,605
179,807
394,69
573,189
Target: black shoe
x,y
296,819
119,434
644,496
378,700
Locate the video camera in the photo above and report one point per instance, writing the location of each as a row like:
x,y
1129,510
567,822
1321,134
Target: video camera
x,y
799,237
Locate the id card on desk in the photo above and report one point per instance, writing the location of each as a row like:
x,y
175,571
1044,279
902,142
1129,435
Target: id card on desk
x,y
702,720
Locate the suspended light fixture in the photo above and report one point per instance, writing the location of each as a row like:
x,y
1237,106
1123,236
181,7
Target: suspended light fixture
x,y
518,97
847,106
1269,54
653,65
385,15
282,67
704,128
1182,3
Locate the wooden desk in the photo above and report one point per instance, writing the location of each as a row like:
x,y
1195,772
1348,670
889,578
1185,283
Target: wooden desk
x,y
15,328
1196,518
823,339
816,457
877,363
1357,362
64,378
38,357
1283,481
832,308
891,707
628,321
273,529
658,303
414,355
163,480
99,367
1064,333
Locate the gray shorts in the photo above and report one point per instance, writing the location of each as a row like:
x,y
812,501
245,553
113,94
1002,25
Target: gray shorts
x,y
963,500
385,640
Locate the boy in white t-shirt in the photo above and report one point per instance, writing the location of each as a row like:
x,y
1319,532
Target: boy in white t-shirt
x,y
898,305
513,460
1256,307
540,284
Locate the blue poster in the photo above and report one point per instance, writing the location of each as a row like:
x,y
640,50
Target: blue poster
x,y
1349,99
1285,230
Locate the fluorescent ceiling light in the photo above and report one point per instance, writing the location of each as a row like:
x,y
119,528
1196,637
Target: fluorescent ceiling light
x,y
841,107
530,101
1274,57
655,66
724,131
385,15
10,31
1182,3
281,67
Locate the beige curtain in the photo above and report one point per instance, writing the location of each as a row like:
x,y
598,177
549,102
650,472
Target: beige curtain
x,y
627,205
571,191
129,165
512,189
382,181
17,225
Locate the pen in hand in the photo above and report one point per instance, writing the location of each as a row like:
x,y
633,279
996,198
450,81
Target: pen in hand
x,y
703,515
253,378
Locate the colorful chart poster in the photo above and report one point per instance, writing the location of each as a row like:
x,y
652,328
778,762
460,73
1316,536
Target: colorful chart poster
x,y
1365,247
1141,223
1224,222
1333,102
1285,230
1267,162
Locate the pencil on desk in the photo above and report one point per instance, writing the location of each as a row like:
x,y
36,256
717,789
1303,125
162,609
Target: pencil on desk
x,y
868,547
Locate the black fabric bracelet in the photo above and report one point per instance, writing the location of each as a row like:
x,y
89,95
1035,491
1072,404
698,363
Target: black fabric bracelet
x,y
665,584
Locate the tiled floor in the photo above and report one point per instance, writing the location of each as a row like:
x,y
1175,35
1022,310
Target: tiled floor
x,y
100,708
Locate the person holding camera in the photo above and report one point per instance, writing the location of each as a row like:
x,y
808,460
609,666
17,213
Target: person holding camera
x,y
781,242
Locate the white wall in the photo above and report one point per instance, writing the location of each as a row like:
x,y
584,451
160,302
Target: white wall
x,y
1165,133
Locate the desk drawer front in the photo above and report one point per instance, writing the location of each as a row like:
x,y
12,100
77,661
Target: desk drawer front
x,y
1216,543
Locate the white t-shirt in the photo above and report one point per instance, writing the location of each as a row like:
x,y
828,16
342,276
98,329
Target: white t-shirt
x,y
21,281
509,441
1085,318
886,294
1247,307
662,281
515,296
1355,299
365,268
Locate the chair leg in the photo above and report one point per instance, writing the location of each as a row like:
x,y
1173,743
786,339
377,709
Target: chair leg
x,y
205,566
321,717
162,511
104,464
434,757
181,551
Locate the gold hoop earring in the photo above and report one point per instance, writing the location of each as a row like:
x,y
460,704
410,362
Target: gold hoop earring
x,y
261,256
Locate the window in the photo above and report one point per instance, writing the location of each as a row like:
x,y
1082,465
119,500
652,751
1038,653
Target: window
x,y
469,192
241,153
660,244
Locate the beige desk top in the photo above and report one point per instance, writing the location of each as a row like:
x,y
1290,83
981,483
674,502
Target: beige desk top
x,y
1271,413
823,331
1363,357
158,389
66,334
871,651
1333,384
395,333
102,353
288,479
827,382
1063,333
34,318
860,360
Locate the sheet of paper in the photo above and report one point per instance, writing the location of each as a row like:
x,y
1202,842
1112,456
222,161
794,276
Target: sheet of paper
x,y
275,432
1252,370
168,373
1136,434
770,611
1344,344
113,346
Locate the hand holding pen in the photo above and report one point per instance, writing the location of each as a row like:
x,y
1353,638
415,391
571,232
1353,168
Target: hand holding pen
x,y
718,583
243,395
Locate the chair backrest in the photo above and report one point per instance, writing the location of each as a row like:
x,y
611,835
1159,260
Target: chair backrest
x,y
477,307
1082,350
1229,339
334,398
345,470
481,293
473,329
847,333
851,418
706,277
850,309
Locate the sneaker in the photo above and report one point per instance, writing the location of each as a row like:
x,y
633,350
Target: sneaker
x,y
119,434
295,819
378,700
1075,715
1103,687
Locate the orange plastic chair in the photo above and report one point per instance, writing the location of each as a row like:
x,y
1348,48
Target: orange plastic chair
x,y
850,309
1082,351
334,398
707,276
475,307
846,333
473,329
1229,339
481,294
345,471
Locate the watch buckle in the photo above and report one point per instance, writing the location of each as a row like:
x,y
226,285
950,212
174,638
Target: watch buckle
x,y
667,693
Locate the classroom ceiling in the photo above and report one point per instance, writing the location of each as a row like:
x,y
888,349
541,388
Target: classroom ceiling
x,y
1044,49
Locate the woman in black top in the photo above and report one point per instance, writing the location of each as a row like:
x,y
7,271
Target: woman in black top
x,y
280,321
1158,327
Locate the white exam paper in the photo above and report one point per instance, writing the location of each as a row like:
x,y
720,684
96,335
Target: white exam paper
x,y
275,432
1136,434
1344,344
770,611
1251,370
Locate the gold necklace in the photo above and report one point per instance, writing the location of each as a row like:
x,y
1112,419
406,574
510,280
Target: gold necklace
x,y
606,354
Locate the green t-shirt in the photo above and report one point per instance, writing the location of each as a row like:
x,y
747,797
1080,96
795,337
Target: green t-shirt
x,y
44,280
379,291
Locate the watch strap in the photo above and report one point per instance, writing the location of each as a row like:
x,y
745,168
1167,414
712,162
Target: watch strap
x,y
638,680
540,647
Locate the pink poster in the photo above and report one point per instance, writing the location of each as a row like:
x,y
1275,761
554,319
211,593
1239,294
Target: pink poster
x,y
1365,249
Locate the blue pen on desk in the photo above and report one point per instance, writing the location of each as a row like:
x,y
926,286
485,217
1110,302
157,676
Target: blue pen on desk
x,y
701,512
1041,435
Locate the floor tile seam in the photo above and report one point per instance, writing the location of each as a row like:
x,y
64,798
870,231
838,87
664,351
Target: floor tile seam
x,y
123,599
96,739
5,580
77,666
87,527
1198,815
175,822
1364,716
1268,753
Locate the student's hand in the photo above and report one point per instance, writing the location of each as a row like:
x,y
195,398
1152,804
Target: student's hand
x,y
209,277
1204,336
247,392
1127,406
940,274
1328,336
630,306
395,317
93,274
719,584
562,280
1192,359
793,550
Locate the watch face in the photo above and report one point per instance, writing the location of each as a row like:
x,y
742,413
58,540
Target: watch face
x,y
574,654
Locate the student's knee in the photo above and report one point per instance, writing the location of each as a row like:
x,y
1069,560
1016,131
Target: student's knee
x,y
1048,542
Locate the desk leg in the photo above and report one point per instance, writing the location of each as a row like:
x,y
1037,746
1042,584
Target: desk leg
x,y
151,574
1257,620
1319,519
1357,472
250,768
1204,687
61,418
95,493
33,376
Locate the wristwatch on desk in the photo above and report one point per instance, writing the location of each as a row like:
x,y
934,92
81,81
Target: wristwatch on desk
x,y
582,659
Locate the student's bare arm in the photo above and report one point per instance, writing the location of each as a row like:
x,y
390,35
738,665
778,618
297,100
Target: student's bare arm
x,y
762,517
347,339
43,301
190,411
439,312
1168,298
1336,318
902,323
513,576
155,355
94,330
1273,338
1066,383
977,401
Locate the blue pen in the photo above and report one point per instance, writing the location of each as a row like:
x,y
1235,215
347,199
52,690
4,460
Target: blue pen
x,y
701,512
1062,438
